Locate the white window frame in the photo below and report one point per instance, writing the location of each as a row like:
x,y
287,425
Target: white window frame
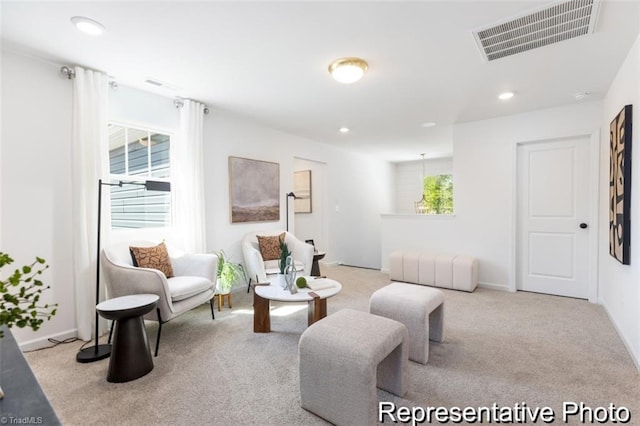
x,y
142,179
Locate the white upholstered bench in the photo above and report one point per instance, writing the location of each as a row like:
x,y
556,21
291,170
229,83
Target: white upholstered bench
x,y
420,309
342,359
457,272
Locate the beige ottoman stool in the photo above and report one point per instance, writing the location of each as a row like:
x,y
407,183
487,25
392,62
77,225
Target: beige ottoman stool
x,y
420,308
342,359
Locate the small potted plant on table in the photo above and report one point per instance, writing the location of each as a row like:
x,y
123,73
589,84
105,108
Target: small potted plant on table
x,y
284,253
287,268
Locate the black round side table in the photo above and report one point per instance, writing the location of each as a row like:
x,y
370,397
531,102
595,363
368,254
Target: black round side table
x,y
315,267
130,353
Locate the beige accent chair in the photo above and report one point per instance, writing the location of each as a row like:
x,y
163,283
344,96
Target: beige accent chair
x,y
255,266
193,284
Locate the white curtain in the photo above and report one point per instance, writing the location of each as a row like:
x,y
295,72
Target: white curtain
x,y
89,163
188,177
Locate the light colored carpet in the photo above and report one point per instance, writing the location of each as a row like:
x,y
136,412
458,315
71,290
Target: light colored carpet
x,y
500,347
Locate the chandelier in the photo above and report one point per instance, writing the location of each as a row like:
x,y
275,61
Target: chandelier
x,y
421,205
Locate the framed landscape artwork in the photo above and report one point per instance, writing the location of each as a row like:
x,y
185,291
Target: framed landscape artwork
x,y
620,186
254,190
302,189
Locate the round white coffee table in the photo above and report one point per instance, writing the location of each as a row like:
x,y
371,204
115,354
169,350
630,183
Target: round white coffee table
x,y
317,300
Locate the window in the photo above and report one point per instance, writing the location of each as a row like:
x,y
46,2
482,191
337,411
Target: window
x,y
410,177
138,155
438,194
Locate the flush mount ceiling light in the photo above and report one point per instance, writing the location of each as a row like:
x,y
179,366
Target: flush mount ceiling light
x,y
343,130
348,70
88,26
506,95
427,124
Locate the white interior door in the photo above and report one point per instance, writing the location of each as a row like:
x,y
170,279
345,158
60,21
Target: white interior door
x,y
553,211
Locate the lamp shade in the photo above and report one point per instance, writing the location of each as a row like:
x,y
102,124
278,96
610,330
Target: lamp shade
x,y
156,185
348,70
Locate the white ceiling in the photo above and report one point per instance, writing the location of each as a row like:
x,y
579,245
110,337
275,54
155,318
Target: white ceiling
x,y
268,61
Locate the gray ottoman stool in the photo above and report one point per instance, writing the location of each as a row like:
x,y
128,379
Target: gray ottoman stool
x,y
342,359
420,308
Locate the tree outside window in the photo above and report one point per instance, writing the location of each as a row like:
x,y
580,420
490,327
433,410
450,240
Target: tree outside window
x,y
438,194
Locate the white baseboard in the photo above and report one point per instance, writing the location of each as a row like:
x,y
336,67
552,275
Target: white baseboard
x,y
493,286
43,342
635,360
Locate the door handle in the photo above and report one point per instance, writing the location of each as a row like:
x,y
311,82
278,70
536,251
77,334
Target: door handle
x,y
583,225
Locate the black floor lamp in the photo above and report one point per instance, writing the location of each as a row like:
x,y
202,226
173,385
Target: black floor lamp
x,y
289,195
98,352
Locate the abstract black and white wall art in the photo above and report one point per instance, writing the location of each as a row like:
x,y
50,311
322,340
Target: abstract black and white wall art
x,y
620,185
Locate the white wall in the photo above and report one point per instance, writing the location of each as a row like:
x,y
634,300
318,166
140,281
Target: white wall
x,y
135,106
35,174
484,188
619,285
358,186
409,185
360,189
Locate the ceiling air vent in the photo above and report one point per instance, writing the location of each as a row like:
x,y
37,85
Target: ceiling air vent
x,y
541,27
154,82
159,83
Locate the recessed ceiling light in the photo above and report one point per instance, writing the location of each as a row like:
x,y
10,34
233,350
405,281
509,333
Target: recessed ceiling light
x,y
88,26
428,124
344,130
348,70
580,96
506,95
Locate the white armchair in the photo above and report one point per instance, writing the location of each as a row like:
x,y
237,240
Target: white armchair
x,y
193,283
255,266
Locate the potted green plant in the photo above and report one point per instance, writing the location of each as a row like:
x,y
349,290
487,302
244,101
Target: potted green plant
x,y
228,274
287,270
284,253
20,297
